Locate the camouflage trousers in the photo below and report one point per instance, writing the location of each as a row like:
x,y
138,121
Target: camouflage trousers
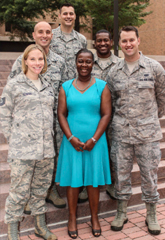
x,y
148,156
30,180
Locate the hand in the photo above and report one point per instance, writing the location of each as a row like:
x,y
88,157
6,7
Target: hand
x,y
77,144
89,145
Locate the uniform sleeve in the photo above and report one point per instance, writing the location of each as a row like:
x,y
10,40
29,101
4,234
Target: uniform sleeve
x,y
6,111
109,80
160,90
16,68
85,44
64,72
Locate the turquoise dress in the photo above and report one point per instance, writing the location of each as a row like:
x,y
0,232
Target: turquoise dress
x,y
85,168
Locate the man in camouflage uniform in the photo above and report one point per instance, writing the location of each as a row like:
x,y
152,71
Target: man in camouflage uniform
x,y
66,42
104,60
137,86
26,116
56,75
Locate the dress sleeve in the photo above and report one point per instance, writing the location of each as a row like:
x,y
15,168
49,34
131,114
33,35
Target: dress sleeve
x,y
100,84
66,85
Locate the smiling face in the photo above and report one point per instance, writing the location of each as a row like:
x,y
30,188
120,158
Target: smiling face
x,y
35,63
67,16
84,64
129,44
103,45
43,35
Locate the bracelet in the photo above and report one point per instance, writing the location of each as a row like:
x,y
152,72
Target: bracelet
x,y
70,138
94,140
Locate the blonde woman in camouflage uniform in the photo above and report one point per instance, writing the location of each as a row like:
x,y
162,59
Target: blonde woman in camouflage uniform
x,y
26,114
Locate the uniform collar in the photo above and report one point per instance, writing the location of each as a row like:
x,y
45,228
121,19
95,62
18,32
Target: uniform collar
x,y
112,58
122,63
60,34
21,78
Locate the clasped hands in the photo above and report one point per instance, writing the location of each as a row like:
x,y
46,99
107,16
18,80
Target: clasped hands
x,y
80,146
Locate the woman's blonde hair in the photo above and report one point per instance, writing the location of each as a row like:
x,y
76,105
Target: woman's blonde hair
x,y
30,48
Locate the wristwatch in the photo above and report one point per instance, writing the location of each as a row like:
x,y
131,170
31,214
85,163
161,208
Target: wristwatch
x,y
94,140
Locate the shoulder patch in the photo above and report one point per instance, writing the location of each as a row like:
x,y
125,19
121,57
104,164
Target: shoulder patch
x,y
2,101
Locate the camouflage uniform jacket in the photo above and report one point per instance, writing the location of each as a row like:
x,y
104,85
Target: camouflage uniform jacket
x,y
26,116
100,72
68,48
138,100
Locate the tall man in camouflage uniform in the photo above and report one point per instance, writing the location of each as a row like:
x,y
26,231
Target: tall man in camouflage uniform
x,y
56,75
104,60
137,85
66,42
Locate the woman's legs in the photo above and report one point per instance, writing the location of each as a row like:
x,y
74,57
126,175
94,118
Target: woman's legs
x,y
93,196
72,196
19,193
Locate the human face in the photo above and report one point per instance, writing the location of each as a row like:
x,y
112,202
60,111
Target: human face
x,y
43,35
35,63
103,45
129,44
67,16
84,64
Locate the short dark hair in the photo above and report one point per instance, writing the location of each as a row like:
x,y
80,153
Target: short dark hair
x,y
128,29
102,31
84,50
66,5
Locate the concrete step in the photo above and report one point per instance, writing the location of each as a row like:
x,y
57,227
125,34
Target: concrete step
x,y
162,122
55,215
3,82
5,68
163,132
7,62
3,152
4,190
4,172
4,75
3,140
162,147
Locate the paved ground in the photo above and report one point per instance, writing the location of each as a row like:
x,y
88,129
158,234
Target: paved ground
x,y
134,229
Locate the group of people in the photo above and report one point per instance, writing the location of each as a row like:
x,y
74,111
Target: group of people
x,y
63,103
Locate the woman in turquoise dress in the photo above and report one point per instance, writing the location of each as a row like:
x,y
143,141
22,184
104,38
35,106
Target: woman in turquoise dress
x,y
84,112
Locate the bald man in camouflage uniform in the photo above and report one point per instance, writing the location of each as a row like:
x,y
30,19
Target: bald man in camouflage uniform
x,y
56,74
66,42
104,60
137,86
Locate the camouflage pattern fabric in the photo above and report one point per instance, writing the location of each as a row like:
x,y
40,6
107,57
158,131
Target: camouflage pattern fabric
x,y
28,178
148,156
56,74
138,100
68,48
26,118
98,71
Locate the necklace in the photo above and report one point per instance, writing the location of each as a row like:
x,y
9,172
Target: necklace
x,y
85,87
